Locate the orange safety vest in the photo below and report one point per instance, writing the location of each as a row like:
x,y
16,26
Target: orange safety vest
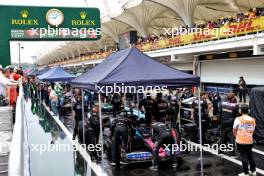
x,y
245,131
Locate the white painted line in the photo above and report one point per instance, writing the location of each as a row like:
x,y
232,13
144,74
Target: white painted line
x,y
258,151
224,156
98,170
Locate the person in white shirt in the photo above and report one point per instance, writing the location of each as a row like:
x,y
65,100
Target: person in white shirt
x,y
4,82
53,99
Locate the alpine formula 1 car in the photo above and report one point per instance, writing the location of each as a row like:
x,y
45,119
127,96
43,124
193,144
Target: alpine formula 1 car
x,y
140,147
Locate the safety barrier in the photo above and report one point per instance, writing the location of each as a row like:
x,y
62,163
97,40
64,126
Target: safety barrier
x,y
19,151
92,167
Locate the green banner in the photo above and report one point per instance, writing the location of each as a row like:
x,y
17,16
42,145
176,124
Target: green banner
x,y
20,23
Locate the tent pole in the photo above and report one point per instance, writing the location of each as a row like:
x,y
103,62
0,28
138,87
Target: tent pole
x,y
101,125
83,120
200,131
137,105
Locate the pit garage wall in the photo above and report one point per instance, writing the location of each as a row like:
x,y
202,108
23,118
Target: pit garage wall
x,y
228,71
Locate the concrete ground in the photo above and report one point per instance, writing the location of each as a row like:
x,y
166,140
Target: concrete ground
x,y
6,127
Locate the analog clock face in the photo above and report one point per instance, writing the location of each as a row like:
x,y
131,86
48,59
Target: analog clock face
x,y
54,17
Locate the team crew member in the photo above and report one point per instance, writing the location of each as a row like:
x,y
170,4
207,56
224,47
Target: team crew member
x,y
121,129
92,132
161,108
243,130
116,103
174,112
94,123
77,107
228,112
66,104
33,88
162,135
148,104
216,100
204,111
242,89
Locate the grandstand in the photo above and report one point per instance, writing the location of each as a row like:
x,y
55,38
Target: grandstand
x,y
195,53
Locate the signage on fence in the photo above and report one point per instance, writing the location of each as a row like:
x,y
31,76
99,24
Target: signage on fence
x,y
228,30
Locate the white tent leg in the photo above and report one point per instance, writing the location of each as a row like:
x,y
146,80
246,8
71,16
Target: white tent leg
x,y
200,131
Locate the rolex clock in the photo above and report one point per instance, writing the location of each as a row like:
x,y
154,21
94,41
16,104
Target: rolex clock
x,y
54,17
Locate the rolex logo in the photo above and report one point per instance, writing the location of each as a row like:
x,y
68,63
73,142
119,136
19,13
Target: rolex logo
x,y
83,15
24,13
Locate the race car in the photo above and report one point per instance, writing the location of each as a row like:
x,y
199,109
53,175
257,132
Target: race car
x,y
140,147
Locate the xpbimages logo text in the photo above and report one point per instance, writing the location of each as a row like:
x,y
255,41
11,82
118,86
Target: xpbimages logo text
x,y
57,147
122,88
214,32
184,147
74,32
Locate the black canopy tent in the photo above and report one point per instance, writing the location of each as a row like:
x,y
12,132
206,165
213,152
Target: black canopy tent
x,y
33,72
56,74
42,71
257,111
131,67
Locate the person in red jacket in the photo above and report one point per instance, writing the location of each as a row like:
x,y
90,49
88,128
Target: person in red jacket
x,y
13,91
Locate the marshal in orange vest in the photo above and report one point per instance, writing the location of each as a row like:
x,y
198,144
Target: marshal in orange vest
x,y
245,130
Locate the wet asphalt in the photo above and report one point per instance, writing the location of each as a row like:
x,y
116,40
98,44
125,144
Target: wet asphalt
x,y
42,129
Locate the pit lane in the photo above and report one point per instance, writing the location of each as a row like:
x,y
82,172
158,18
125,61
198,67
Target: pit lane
x,y
213,165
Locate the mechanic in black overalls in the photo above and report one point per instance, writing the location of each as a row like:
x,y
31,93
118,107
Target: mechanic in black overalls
x,y
116,103
161,109
228,111
121,129
77,108
93,131
149,106
216,100
186,94
174,112
162,135
204,112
